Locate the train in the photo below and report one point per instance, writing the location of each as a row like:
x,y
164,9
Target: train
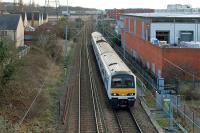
x,y
119,81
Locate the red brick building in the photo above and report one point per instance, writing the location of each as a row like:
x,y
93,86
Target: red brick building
x,y
139,30
116,13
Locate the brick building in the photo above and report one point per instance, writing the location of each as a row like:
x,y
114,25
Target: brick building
x,y
116,13
156,39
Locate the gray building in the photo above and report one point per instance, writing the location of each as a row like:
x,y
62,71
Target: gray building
x,y
179,8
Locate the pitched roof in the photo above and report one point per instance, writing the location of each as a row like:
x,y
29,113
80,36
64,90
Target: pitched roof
x,y
9,21
23,14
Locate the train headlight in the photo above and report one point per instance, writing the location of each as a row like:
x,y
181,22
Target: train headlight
x,y
114,94
131,94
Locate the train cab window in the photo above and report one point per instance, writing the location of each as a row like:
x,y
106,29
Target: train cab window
x,y
123,81
101,40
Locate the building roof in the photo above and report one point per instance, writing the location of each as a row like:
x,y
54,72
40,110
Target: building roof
x,y
9,21
23,14
163,15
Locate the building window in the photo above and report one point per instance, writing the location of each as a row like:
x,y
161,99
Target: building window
x,y
129,24
3,33
163,35
159,73
153,68
143,31
148,65
135,26
148,34
186,36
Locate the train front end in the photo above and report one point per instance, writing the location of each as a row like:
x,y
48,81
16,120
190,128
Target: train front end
x,y
123,90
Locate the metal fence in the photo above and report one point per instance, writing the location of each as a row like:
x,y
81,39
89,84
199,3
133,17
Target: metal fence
x,y
188,116
181,112
23,51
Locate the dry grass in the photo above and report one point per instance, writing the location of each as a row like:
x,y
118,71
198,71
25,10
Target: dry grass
x,y
31,72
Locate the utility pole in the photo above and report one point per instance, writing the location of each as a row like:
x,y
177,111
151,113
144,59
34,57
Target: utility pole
x,y
66,41
65,52
32,3
21,6
67,8
18,5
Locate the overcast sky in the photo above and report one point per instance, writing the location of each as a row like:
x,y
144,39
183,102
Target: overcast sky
x,y
105,4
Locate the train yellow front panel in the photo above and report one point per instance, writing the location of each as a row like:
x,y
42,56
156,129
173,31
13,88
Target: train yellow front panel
x,y
123,91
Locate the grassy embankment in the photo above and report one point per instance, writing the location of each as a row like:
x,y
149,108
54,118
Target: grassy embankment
x,y
41,68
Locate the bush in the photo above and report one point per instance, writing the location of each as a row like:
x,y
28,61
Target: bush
x,y
7,61
8,72
193,94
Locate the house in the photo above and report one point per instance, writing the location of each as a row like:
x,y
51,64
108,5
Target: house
x,y
163,40
116,13
11,26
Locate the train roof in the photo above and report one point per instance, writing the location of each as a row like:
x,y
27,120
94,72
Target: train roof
x,y
98,37
110,57
114,63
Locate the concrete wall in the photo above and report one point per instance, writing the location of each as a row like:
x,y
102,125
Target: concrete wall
x,y
175,30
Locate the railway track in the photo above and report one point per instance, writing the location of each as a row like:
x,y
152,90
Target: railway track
x,y
86,106
90,114
126,121
71,104
141,116
83,111
109,119
97,108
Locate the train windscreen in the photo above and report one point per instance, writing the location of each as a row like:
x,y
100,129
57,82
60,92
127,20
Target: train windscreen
x,y
123,81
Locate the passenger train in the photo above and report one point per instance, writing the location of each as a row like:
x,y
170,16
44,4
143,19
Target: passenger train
x,y
119,81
